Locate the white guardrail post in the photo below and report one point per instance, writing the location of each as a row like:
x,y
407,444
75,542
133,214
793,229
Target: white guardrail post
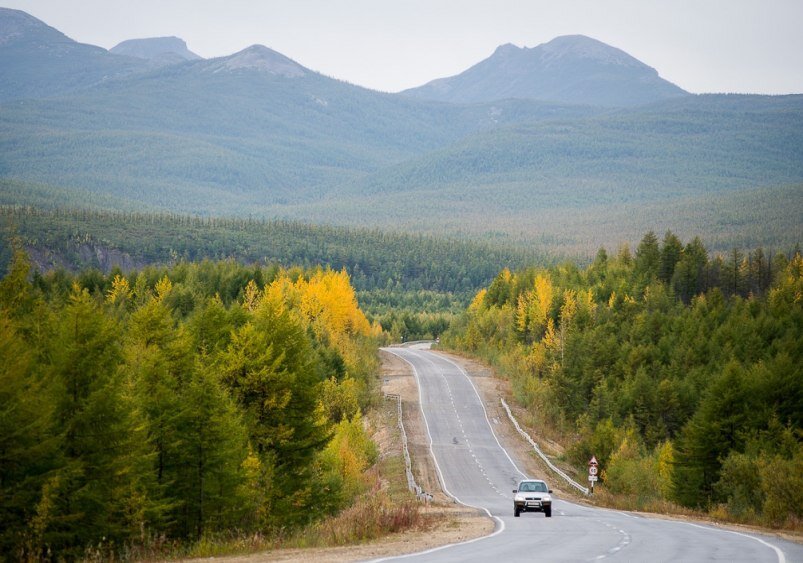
x,y
408,465
552,466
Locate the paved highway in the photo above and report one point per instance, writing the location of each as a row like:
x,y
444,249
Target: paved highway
x,y
477,471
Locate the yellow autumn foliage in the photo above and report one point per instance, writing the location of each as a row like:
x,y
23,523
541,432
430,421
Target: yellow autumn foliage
x,y
533,306
120,292
325,302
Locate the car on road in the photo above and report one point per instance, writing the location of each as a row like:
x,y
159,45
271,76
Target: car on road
x,y
532,495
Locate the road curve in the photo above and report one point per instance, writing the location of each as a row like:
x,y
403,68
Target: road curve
x,y
476,470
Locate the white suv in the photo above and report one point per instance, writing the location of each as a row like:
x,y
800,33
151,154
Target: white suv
x,y
532,495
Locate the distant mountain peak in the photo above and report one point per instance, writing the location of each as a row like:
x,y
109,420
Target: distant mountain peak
x,y
583,47
16,25
263,59
507,48
161,49
37,60
568,69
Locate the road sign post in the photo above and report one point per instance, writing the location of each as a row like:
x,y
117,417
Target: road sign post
x,y
592,472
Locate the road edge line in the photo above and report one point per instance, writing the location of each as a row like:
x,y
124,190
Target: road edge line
x,y
778,551
500,523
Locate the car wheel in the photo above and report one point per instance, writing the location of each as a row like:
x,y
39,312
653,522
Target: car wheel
x,y
548,512
516,512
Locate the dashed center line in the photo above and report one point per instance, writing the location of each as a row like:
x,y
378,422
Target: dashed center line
x,y
623,542
465,437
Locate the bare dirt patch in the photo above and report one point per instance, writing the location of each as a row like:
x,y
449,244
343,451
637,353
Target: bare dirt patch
x,y
398,379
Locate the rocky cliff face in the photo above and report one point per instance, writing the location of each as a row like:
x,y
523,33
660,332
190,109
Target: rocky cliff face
x,y
82,256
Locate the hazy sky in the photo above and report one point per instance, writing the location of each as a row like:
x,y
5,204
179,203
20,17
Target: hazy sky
x,y
752,46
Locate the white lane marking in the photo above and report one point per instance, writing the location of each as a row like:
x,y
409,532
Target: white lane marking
x,y
439,370
778,551
482,404
624,542
500,523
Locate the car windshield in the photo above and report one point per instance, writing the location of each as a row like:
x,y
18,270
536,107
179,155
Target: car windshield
x,y
533,487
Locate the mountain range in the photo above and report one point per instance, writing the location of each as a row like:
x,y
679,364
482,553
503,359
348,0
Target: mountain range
x,y
539,145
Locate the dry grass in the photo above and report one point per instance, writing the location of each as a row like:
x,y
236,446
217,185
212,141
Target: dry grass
x,y
373,516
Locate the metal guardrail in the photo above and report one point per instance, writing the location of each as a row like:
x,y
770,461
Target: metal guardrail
x,y
420,494
552,466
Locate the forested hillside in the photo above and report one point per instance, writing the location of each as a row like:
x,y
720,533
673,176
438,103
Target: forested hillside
x,y
176,403
76,239
680,371
226,136
410,284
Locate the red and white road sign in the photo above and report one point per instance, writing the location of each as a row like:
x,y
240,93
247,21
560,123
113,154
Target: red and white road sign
x,y
593,460
592,470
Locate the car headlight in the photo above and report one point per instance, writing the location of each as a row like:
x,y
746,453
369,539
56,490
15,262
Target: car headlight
x,y
518,497
546,498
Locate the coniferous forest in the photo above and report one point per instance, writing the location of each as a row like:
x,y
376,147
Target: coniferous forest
x,y
177,403
191,399
681,372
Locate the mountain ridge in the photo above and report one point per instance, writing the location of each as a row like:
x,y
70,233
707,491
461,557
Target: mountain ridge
x,y
162,50
38,61
260,58
568,69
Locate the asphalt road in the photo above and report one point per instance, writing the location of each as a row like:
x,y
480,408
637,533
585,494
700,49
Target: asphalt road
x,y
477,471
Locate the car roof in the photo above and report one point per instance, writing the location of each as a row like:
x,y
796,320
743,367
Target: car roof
x,y
532,481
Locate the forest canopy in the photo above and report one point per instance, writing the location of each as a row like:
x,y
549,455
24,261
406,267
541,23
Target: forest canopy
x,y
177,402
681,372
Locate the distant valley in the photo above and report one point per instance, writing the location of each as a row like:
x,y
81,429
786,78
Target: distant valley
x,y
567,146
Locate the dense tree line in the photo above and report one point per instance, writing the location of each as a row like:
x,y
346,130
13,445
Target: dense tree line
x,y
564,222
177,402
411,284
679,371
74,239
